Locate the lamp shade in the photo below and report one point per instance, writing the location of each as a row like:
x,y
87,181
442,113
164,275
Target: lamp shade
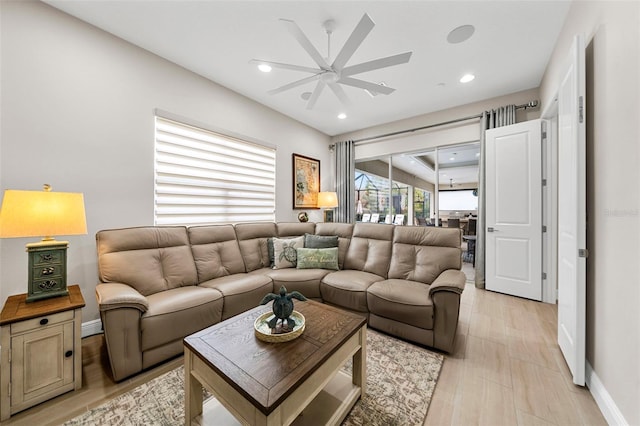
x,y
327,200
42,214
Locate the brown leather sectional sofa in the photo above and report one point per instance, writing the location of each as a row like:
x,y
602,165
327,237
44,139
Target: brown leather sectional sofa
x,y
160,284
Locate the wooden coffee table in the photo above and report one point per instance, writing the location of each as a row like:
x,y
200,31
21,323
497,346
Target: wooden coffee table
x,y
274,383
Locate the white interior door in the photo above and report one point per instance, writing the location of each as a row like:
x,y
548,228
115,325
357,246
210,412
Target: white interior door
x,y
572,213
513,261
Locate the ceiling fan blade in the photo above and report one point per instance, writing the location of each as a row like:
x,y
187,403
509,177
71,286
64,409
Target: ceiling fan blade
x,y
294,84
286,66
389,61
358,35
339,92
372,87
316,94
297,33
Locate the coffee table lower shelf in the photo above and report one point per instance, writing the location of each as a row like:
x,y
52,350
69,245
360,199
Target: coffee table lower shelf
x,y
330,406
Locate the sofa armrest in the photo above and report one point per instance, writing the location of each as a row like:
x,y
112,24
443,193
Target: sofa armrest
x,y
116,295
450,280
445,292
121,308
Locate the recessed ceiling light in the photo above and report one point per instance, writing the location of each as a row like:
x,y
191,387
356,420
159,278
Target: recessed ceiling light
x,y
460,34
342,116
452,158
264,68
467,78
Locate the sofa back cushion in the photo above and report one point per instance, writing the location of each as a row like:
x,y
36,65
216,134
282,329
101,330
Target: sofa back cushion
x,y
370,248
150,259
216,251
294,229
343,231
252,240
422,253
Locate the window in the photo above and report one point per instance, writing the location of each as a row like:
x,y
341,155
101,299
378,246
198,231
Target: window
x,y
372,196
203,177
421,203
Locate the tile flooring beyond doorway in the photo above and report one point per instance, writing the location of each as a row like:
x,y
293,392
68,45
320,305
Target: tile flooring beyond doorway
x,y
506,369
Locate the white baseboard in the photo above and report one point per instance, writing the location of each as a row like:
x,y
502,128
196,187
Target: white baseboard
x,y
90,328
607,406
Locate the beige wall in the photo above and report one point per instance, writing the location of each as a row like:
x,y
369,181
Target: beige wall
x,y
77,112
612,38
452,134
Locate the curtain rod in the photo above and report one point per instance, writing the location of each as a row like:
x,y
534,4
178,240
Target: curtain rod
x,y
531,104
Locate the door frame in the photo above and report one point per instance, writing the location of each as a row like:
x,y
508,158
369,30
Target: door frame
x,y
550,202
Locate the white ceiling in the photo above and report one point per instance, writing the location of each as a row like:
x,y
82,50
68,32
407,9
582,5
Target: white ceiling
x,y
508,52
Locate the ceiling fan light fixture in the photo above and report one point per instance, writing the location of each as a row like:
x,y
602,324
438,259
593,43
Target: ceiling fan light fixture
x,y
264,68
329,77
342,116
467,78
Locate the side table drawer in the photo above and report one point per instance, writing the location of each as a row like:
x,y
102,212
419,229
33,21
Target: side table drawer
x,y
48,257
41,322
47,271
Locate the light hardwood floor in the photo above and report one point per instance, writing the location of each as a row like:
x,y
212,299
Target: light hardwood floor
x,y
506,369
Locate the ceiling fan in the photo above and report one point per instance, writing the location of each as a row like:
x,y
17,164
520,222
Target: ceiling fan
x,y
337,73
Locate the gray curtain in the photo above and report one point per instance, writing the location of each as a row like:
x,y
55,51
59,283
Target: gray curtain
x,y
502,116
345,185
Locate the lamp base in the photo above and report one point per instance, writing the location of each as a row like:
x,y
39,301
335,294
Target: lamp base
x,y
47,270
328,215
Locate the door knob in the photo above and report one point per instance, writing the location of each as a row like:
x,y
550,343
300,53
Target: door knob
x,y
490,229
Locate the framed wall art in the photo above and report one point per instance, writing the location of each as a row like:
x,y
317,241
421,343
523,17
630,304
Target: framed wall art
x,y
306,182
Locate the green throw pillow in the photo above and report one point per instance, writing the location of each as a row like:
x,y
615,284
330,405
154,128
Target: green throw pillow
x,y
284,252
318,258
320,241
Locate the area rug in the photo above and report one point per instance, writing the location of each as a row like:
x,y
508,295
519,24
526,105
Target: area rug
x,y
401,378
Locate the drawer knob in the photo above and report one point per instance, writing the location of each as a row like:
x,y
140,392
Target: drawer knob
x,y
48,271
67,354
48,284
44,321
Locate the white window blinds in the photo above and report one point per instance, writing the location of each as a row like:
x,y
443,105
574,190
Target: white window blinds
x,y
202,177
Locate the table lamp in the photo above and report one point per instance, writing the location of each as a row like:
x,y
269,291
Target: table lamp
x,y
44,214
327,201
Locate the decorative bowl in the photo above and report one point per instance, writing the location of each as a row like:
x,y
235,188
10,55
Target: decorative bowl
x,y
263,332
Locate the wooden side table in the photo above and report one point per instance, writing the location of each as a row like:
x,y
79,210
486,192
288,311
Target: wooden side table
x,y
41,350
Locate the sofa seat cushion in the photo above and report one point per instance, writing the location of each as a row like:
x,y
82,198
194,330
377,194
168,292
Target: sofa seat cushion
x,y
178,312
241,291
348,288
306,281
405,301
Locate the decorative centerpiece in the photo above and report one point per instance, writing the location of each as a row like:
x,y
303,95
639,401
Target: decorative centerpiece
x,y
284,323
